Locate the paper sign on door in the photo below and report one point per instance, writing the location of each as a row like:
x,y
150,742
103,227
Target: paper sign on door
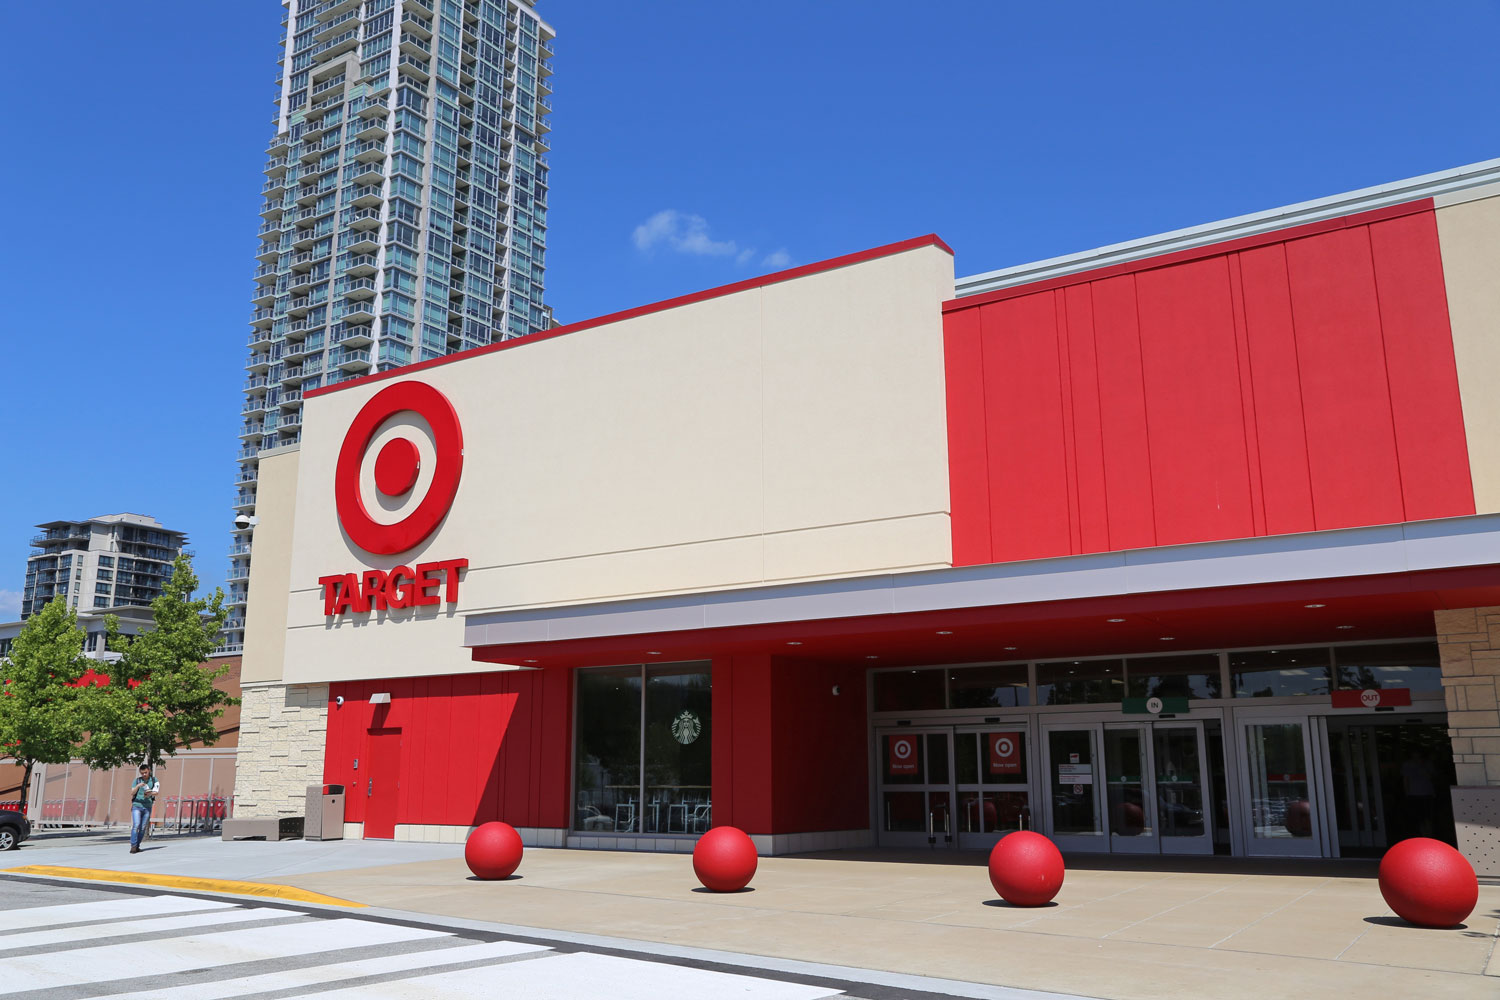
x,y
1005,752
901,753
1075,774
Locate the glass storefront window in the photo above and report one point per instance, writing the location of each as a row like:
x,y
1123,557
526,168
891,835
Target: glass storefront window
x,y
1195,675
1080,682
608,750
908,690
671,795
996,686
1412,665
1279,673
678,766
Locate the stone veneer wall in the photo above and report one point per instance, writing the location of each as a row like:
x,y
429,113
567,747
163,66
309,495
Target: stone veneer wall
x,y
282,737
1470,644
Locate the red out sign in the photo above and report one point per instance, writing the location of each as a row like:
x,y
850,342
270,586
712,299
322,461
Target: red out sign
x,y
1005,752
901,753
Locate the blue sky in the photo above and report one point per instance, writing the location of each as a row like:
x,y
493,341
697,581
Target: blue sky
x,y
695,143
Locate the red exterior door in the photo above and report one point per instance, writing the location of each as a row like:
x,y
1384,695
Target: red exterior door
x,y
382,783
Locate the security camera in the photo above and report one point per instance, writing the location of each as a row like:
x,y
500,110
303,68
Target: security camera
x,y
243,521
338,699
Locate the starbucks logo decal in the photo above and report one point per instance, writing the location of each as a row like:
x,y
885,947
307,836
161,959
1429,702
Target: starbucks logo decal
x,y
686,728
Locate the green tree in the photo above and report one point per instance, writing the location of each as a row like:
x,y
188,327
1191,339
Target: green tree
x,y
42,716
160,697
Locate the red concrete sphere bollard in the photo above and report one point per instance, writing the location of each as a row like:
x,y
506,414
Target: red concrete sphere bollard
x,y
493,850
724,859
1428,883
1026,869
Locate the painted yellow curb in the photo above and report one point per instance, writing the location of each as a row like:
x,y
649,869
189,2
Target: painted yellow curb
x,y
265,889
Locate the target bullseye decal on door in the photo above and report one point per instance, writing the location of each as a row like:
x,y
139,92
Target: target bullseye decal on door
x,y
902,754
398,469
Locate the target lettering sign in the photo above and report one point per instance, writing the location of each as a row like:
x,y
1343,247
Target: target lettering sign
x,y
1005,752
395,480
902,754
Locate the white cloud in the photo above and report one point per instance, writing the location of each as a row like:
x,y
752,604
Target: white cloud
x,y
682,232
10,605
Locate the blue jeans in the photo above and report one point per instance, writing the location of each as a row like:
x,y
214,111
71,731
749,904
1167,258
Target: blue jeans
x,y
139,817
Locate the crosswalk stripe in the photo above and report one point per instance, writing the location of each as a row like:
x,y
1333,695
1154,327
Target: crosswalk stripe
x,y
319,974
180,954
567,977
206,922
33,917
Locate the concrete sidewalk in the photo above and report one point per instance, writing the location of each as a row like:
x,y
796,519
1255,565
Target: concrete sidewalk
x,y
1182,929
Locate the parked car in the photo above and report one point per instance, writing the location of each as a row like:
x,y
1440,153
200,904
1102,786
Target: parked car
x,y
14,828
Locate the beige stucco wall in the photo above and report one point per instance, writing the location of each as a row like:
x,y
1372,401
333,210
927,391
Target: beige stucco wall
x,y
270,566
792,431
1469,234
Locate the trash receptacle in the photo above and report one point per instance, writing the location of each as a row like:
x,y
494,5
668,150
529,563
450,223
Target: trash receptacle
x,y
325,813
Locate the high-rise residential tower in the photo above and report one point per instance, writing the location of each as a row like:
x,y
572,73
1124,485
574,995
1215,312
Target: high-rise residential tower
x,y
118,560
406,206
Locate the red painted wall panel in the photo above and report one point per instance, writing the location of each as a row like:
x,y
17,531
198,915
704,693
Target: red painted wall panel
x,y
1351,448
1023,429
968,460
1276,390
475,747
1122,414
1199,467
1414,318
1280,383
820,768
1085,431
788,755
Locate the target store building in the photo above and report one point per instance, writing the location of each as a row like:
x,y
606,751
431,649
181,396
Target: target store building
x,y
1188,545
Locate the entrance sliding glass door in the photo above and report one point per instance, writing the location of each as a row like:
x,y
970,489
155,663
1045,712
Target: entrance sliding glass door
x,y
915,797
1184,802
991,773
1281,815
1129,788
1075,808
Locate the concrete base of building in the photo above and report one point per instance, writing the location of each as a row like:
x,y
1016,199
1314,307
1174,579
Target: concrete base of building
x,y
437,833
768,845
773,844
1476,815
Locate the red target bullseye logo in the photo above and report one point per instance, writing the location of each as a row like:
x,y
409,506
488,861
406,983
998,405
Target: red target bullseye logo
x,y
398,468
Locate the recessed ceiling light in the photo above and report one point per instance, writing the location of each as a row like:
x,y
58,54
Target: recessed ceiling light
x,y
1315,605
943,631
872,657
530,661
1346,626
794,644
1168,638
1116,620
1012,648
653,652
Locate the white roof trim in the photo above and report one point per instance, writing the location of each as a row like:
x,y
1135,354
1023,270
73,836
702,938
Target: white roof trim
x,y
1383,549
1426,186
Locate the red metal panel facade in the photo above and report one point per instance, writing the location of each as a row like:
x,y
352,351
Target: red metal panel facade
x,y
1294,381
474,747
789,756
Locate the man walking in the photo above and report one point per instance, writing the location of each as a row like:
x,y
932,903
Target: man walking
x,y
142,798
